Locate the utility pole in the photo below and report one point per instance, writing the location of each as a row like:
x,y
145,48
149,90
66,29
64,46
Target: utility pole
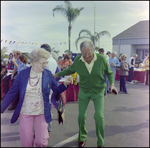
x,y
94,22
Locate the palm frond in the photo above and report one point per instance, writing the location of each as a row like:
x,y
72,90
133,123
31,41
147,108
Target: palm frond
x,y
73,13
96,36
85,31
68,4
76,13
60,9
102,33
79,38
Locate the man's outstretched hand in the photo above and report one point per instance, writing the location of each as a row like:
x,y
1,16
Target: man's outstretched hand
x,y
68,81
55,75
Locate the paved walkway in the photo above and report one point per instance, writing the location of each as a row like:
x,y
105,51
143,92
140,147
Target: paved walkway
x,y
126,122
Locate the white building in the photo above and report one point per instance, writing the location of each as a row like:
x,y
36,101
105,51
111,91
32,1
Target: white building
x,y
134,40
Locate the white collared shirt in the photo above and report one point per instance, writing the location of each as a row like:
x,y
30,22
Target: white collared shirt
x,y
89,66
52,65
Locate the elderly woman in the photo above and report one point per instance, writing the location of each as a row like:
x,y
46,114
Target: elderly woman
x,y
33,109
123,71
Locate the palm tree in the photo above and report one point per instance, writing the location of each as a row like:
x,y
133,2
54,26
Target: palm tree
x,y
85,33
70,13
53,49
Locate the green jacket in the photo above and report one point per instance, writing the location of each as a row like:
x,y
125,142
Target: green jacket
x,y
94,81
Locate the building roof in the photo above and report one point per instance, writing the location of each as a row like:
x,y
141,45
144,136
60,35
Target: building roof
x,y
141,29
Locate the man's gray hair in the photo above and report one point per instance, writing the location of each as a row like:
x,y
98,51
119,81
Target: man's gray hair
x,y
85,44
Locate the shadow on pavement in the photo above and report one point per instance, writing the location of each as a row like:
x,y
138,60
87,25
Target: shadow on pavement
x,y
9,134
6,137
122,109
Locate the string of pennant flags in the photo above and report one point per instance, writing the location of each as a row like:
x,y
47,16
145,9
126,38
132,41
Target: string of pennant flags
x,y
15,42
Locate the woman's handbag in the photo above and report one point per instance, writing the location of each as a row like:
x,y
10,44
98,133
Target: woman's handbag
x,y
61,109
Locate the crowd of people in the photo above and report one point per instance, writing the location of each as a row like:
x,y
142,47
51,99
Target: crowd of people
x,y
125,69
35,88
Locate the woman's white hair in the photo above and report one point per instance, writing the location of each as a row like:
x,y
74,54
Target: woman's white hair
x,y
37,54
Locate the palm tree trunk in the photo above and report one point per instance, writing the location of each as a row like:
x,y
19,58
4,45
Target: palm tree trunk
x,y
69,34
99,43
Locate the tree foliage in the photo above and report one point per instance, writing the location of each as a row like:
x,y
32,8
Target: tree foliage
x,y
70,13
54,50
3,53
67,51
86,34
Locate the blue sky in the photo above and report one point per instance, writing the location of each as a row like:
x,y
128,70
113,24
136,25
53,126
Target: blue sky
x,y
33,21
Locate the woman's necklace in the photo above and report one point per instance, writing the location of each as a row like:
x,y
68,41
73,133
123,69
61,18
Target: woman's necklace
x,y
32,82
32,78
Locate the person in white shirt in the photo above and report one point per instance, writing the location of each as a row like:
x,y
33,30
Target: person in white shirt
x,y
131,67
52,66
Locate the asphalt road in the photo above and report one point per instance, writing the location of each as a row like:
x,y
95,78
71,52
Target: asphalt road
x,y
126,122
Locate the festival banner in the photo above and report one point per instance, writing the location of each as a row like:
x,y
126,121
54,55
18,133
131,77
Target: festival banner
x,y
31,43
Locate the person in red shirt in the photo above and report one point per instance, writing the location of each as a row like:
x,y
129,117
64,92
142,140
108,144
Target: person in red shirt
x,y
70,61
64,63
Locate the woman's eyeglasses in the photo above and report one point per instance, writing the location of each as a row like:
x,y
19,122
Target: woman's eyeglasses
x,y
45,63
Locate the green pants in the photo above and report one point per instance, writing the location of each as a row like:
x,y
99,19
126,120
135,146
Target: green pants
x,y
83,101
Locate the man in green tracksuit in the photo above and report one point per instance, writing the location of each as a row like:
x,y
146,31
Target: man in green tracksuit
x,y
91,68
